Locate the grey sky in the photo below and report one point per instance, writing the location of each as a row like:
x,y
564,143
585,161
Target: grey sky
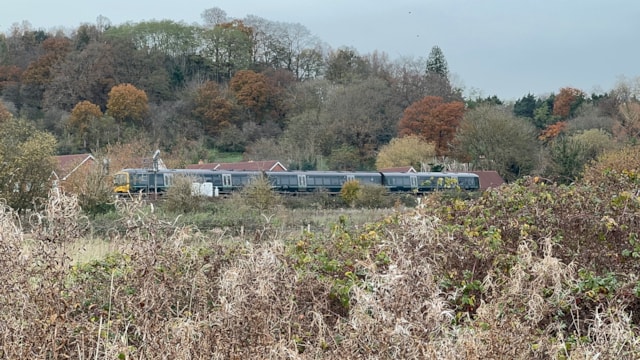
x,y
506,48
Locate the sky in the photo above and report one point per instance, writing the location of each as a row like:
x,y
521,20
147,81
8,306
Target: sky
x,y
507,48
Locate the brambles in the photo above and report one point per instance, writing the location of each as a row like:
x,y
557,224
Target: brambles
x,y
532,270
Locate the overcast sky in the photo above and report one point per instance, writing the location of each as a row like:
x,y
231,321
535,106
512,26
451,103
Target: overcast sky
x,y
507,48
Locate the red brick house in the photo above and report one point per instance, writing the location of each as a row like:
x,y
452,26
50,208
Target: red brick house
x,y
69,164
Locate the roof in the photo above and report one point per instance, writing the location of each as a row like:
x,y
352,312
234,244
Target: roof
x,y
489,179
271,165
68,164
400,169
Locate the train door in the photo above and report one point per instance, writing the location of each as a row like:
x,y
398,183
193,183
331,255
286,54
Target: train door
x,y
351,177
414,182
226,181
302,182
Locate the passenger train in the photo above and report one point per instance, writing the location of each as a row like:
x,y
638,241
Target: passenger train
x,y
292,182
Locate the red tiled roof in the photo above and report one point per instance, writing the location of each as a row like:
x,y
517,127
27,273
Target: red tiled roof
x,y
489,179
67,164
401,169
242,166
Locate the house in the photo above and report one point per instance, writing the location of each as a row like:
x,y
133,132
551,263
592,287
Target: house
x,y
270,165
400,169
66,165
489,179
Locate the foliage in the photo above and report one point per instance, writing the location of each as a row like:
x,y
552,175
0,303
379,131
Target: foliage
x,y
260,195
127,104
553,131
437,63
373,197
525,106
628,126
26,164
433,120
180,197
350,192
567,101
405,151
92,186
84,116
252,91
493,139
212,109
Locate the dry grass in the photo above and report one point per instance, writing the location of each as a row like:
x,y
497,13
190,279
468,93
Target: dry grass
x,y
161,291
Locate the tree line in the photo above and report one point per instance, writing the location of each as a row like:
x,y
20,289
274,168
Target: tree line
x,y
273,90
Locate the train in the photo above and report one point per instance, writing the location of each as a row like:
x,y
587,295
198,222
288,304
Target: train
x,y
220,182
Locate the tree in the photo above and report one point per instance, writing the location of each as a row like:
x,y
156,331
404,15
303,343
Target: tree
x,y
87,74
214,16
525,106
211,109
437,63
228,48
26,164
345,66
628,126
362,116
433,120
252,91
83,116
492,138
127,104
405,151
567,101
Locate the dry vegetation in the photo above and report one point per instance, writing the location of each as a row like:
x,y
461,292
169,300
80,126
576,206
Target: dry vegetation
x,y
528,271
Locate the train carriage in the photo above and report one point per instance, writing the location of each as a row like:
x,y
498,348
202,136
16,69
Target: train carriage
x,y
149,181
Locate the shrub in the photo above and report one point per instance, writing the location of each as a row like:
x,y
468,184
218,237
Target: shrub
x,y
373,197
350,192
259,194
180,198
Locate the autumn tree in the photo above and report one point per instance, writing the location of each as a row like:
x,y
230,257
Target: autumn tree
x,y
26,163
86,74
127,104
406,151
82,117
211,109
553,131
39,73
567,101
492,138
251,89
434,120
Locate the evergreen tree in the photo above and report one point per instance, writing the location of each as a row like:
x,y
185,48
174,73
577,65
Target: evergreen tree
x,y
436,63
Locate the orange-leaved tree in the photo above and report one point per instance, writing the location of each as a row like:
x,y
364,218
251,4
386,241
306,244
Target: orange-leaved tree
x,y
434,120
127,104
82,115
567,101
252,91
553,131
211,109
